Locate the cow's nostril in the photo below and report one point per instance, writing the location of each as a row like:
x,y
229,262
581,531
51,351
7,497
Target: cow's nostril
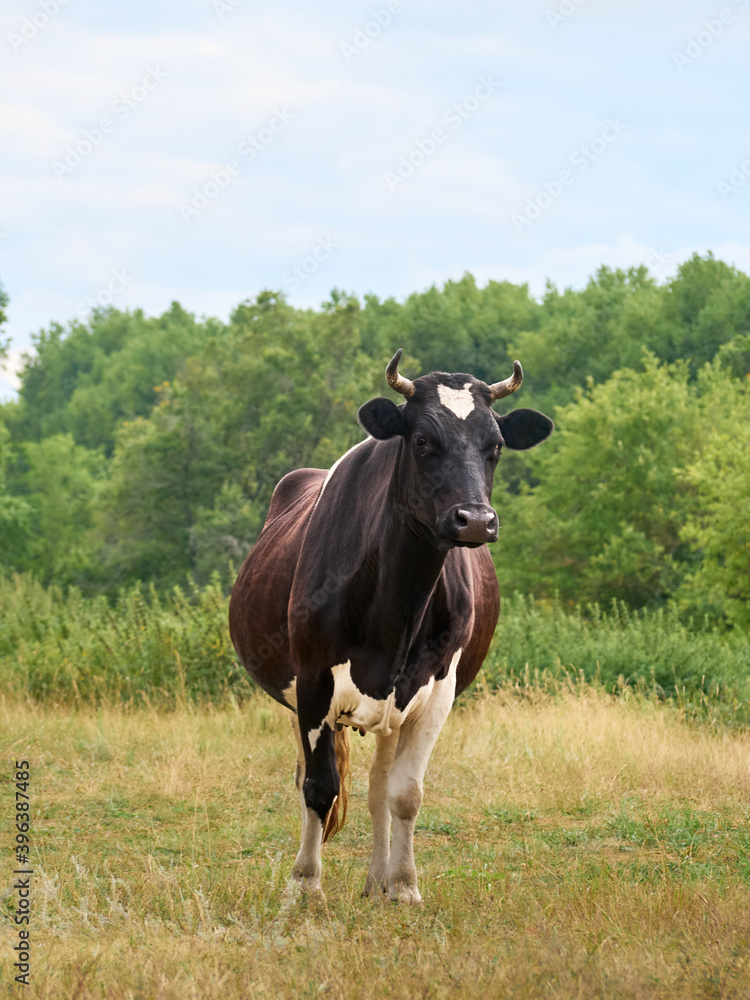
x,y
477,517
473,524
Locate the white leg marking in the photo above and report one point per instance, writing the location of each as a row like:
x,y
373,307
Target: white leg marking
x,y
380,814
458,401
307,865
416,740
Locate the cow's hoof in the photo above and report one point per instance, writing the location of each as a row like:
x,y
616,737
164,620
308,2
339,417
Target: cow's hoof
x,y
308,886
404,894
374,886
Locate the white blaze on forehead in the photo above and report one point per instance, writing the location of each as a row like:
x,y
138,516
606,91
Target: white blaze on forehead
x,y
458,401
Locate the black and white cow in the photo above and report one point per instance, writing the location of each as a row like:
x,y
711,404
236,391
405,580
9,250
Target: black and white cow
x,y
370,599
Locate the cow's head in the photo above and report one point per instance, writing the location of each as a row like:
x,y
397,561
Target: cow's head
x,y
452,441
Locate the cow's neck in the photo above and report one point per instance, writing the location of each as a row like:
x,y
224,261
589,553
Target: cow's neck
x,y
412,567
408,571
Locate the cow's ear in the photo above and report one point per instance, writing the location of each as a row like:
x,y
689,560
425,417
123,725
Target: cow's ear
x,y
522,429
381,418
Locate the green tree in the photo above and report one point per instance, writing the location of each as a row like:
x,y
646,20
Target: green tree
x,y
163,471
87,378
223,534
706,305
718,528
63,480
604,327
198,420
589,333
279,389
604,520
15,512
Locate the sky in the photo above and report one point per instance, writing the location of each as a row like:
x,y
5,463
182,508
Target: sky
x,y
203,150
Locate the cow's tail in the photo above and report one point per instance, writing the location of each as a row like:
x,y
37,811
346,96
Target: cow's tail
x,y
337,815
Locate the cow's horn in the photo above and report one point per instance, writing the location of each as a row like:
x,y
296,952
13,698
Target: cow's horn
x,y
508,385
397,382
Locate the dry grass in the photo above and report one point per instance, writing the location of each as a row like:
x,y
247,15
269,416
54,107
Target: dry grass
x,y
569,847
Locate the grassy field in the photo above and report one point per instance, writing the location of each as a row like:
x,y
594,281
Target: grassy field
x,y
575,846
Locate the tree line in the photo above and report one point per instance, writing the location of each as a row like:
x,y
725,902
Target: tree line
x,y
146,449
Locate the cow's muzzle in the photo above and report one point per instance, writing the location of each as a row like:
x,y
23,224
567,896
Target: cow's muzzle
x,y
471,524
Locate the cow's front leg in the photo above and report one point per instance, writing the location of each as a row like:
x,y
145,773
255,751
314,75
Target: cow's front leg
x,y
320,788
416,740
380,814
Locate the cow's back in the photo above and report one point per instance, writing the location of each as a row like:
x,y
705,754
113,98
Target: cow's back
x,y
260,598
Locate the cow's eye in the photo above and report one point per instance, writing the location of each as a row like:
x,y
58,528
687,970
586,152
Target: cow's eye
x,y
420,442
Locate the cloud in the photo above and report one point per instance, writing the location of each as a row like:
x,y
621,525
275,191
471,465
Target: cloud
x,y
323,176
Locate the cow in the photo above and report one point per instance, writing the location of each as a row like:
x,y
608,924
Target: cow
x,y
370,599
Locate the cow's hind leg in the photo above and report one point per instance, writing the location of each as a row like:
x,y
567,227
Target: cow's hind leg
x,y
377,800
299,773
319,789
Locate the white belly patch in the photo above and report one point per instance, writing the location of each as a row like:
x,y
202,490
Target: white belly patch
x,y
458,401
350,706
